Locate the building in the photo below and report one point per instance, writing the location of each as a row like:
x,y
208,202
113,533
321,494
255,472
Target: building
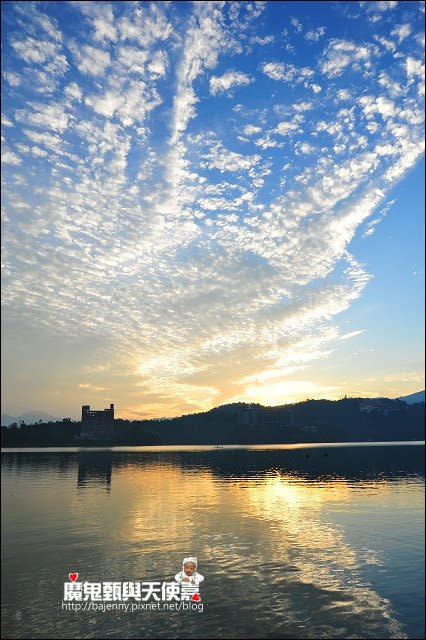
x,y
254,416
249,416
277,417
384,406
97,425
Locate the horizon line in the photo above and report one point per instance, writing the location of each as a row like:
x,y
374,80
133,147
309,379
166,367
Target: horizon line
x,y
345,397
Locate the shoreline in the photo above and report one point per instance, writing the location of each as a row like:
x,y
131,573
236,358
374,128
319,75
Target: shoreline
x,y
204,447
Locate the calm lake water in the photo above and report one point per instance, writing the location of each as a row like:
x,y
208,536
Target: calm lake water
x,y
313,541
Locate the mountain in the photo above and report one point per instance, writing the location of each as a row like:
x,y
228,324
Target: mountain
x,y
344,420
414,397
30,417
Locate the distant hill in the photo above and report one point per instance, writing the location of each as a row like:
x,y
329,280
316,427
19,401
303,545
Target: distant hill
x,y
30,417
414,397
345,420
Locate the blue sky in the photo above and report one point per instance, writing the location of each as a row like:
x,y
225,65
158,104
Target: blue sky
x,y
211,202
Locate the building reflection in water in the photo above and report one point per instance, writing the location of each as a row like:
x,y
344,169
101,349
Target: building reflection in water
x,y
94,467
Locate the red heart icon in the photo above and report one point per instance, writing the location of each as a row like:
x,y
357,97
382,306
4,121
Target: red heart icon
x,y
196,597
73,576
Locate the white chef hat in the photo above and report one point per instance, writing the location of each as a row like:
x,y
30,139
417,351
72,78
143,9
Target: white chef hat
x,y
190,559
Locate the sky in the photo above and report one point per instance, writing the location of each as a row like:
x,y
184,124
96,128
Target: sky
x,y
210,202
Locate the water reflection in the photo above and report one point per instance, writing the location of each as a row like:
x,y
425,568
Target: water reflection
x,y
315,463
94,467
291,546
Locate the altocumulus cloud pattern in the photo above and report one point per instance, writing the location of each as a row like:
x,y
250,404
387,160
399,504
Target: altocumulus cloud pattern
x,y
182,181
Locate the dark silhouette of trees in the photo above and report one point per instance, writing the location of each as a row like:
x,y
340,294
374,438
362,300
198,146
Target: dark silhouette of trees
x,y
313,421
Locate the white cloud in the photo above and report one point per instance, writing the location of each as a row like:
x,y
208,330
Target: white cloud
x,y
91,60
344,94
372,224
266,142
251,129
104,29
158,64
279,71
133,58
262,41
6,122
130,103
420,38
381,105
302,106
352,334
50,116
35,18
376,9
23,148
409,156
106,104
73,91
304,148
316,88
50,140
203,39
414,67
340,54
8,157
145,25
43,52
226,160
12,78
39,153
394,88
284,128
286,72
35,151
387,44
228,80
101,17
315,34
379,5
296,24
401,32
32,50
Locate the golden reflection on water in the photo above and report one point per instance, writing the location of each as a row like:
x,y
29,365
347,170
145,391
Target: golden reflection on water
x,y
292,536
276,519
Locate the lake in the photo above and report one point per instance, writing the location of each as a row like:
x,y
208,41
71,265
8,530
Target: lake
x,y
294,541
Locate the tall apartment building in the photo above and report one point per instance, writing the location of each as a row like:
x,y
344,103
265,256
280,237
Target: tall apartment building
x,y
97,425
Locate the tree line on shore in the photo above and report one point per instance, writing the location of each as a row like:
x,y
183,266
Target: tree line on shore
x,y
312,421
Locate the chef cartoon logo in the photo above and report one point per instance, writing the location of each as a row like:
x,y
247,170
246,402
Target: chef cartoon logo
x,y
189,579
